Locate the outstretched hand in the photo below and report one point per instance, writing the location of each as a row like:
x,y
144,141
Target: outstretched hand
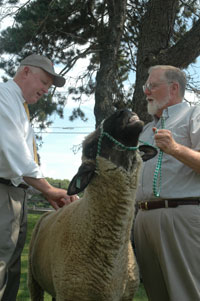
x,y
58,198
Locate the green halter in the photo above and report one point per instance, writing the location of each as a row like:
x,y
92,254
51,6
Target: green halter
x,y
102,133
157,172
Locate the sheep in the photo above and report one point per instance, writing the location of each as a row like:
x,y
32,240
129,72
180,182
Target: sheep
x,y
82,252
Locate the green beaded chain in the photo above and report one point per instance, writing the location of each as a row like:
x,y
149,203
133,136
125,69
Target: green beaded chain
x,y
158,172
131,148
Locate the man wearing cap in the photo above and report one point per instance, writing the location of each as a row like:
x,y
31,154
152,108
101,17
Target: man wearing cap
x,y
18,164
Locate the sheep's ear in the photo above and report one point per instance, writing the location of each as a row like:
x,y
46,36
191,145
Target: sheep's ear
x,y
82,178
147,152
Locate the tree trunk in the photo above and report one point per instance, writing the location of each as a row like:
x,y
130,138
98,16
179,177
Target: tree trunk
x,y
155,33
109,42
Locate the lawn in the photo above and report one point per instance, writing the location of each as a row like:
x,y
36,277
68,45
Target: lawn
x,y
23,294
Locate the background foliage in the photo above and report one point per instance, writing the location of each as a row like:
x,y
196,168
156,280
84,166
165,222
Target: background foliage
x,y
119,39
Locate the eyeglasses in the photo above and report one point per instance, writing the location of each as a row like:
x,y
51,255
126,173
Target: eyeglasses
x,y
151,86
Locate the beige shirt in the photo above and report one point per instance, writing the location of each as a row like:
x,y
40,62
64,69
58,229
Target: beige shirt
x,y
178,180
16,137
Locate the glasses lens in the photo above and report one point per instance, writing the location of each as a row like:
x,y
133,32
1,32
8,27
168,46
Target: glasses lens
x,y
147,86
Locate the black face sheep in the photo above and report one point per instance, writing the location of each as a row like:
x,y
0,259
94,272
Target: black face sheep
x,y
82,252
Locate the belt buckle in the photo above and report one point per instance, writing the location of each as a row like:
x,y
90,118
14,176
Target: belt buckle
x,y
145,206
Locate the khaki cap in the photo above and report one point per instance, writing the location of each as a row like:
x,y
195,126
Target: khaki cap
x,y
45,64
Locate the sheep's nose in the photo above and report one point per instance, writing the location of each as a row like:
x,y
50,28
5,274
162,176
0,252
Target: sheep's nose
x,y
134,117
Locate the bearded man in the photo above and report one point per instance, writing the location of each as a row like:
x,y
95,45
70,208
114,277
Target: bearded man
x,y
166,230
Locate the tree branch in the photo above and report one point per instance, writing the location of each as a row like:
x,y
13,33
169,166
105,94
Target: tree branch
x,y
186,50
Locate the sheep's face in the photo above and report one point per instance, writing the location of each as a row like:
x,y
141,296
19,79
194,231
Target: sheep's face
x,y
124,126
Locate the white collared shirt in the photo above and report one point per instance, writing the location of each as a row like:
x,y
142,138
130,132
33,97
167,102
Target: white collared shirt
x,y
178,180
16,136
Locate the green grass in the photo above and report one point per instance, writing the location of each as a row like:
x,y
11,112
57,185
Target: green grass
x,y
23,294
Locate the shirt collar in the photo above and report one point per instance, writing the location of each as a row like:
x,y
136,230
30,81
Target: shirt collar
x,y
17,89
172,110
175,109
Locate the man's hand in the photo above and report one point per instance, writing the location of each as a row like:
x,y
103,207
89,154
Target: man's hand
x,y
58,198
55,196
164,140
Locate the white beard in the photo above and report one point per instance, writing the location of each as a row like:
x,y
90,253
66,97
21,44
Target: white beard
x,y
154,106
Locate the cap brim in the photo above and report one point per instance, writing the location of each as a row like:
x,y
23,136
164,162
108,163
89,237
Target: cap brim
x,y
58,80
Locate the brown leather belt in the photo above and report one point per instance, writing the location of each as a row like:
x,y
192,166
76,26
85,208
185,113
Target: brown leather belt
x,y
9,183
172,203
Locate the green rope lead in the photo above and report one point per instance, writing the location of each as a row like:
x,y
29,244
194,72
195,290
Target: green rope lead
x,y
119,143
102,133
157,179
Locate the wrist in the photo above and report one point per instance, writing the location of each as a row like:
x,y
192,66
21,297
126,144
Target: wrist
x,y
175,150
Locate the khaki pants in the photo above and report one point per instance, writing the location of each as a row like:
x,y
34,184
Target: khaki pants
x,y
13,224
168,252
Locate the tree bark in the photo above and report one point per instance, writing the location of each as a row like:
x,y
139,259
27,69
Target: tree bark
x,y
155,33
109,41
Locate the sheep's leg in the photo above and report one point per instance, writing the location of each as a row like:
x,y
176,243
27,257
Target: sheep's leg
x,y
133,276
36,292
130,291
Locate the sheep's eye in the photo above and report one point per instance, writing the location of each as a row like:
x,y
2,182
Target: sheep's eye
x,y
120,114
